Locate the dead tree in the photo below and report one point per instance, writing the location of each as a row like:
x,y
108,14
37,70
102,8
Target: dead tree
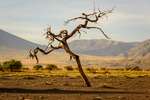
x,y
63,36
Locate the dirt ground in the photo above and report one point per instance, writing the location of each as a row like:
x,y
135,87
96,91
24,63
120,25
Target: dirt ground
x,y
70,88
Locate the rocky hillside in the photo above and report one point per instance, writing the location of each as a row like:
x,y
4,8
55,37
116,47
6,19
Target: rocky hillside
x,y
140,50
100,47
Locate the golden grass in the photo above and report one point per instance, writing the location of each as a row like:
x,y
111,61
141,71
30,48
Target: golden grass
x,y
75,73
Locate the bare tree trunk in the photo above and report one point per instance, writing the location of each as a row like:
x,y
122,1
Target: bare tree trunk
x,y
77,59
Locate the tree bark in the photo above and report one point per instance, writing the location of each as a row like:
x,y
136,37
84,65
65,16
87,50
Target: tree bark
x,y
77,59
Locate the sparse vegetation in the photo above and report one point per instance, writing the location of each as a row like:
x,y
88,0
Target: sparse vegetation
x,y
37,67
12,65
91,72
69,68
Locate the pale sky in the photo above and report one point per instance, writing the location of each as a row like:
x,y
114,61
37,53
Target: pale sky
x,y
129,22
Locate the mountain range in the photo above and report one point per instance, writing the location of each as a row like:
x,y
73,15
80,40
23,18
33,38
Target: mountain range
x,y
101,47
95,47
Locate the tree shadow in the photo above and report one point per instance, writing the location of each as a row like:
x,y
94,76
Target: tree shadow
x,y
59,91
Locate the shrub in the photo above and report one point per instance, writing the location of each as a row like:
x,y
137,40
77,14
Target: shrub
x,y
37,67
69,68
103,69
25,68
12,64
51,67
92,70
134,68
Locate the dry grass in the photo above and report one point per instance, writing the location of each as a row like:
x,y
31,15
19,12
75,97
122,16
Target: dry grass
x,y
75,73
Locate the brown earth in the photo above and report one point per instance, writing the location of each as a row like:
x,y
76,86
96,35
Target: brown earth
x,y
70,88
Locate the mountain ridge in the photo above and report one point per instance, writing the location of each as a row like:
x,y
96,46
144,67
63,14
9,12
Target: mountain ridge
x,y
100,47
140,50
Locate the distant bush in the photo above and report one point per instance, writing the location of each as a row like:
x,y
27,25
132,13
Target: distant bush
x,y
25,68
92,70
51,67
134,68
69,68
12,64
37,67
103,69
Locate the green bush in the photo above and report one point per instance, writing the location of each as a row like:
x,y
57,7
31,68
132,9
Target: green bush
x,y
12,64
37,67
51,67
69,68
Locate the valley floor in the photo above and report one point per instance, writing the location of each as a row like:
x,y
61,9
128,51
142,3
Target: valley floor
x,y
58,87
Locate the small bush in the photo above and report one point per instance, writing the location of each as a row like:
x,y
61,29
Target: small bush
x,y
103,69
25,68
12,64
51,67
37,67
92,70
134,68
69,68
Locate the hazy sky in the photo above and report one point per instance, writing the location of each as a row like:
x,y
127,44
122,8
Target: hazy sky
x,y
130,20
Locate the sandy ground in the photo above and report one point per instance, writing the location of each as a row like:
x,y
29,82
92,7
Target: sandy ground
x,y
69,88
